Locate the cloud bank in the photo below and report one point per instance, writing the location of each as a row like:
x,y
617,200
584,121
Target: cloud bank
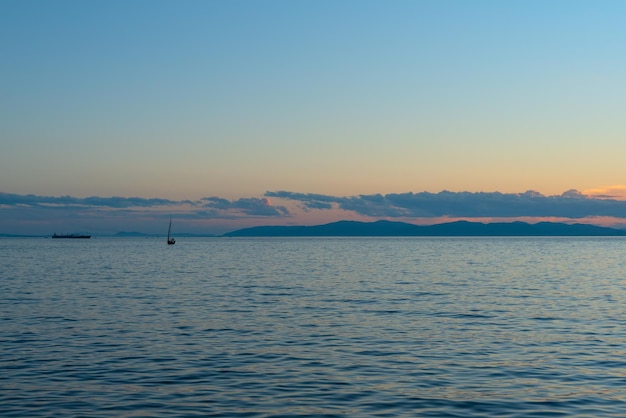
x,y
35,215
571,204
247,206
45,214
207,206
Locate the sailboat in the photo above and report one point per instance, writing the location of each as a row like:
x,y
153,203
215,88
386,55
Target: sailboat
x,y
170,241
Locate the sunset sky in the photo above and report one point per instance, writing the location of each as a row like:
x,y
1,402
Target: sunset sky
x,y
115,115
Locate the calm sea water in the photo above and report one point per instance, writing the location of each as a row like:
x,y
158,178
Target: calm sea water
x,y
467,327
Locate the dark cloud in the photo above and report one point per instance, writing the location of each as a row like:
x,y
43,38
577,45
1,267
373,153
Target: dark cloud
x,y
570,204
307,200
318,205
247,206
208,206
216,203
126,202
45,212
93,201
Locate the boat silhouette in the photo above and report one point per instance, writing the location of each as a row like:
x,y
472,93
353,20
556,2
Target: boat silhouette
x,y
55,235
170,241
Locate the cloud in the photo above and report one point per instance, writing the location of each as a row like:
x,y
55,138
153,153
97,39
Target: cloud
x,y
609,192
308,200
43,214
571,204
207,207
246,206
117,202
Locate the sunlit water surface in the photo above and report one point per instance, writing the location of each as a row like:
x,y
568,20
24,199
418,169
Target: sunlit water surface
x,y
467,327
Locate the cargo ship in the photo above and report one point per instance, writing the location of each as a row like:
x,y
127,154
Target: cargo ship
x,y
55,235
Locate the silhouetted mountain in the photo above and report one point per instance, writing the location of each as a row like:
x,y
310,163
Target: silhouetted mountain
x,y
133,234
401,229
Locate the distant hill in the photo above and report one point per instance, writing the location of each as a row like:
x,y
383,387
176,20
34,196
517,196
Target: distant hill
x,y
133,234
126,234
401,229
22,236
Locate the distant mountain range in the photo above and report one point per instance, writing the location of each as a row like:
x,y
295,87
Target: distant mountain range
x,y
397,229
401,229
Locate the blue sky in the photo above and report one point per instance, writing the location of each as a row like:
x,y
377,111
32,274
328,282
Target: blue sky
x,y
243,100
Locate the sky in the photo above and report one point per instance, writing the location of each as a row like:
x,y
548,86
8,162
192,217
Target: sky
x,y
116,115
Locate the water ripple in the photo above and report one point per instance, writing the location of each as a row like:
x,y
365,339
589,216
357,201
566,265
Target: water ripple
x,y
313,327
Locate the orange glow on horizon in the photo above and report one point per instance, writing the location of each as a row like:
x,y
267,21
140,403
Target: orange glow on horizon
x,y
617,192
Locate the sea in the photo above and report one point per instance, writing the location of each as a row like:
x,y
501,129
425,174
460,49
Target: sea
x,y
316,327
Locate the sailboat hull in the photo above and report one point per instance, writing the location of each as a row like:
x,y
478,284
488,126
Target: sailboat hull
x,y
170,241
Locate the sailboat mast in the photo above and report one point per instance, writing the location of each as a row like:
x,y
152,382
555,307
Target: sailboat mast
x,y
170,241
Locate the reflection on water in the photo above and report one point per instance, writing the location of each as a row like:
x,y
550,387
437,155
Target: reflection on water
x,y
334,326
